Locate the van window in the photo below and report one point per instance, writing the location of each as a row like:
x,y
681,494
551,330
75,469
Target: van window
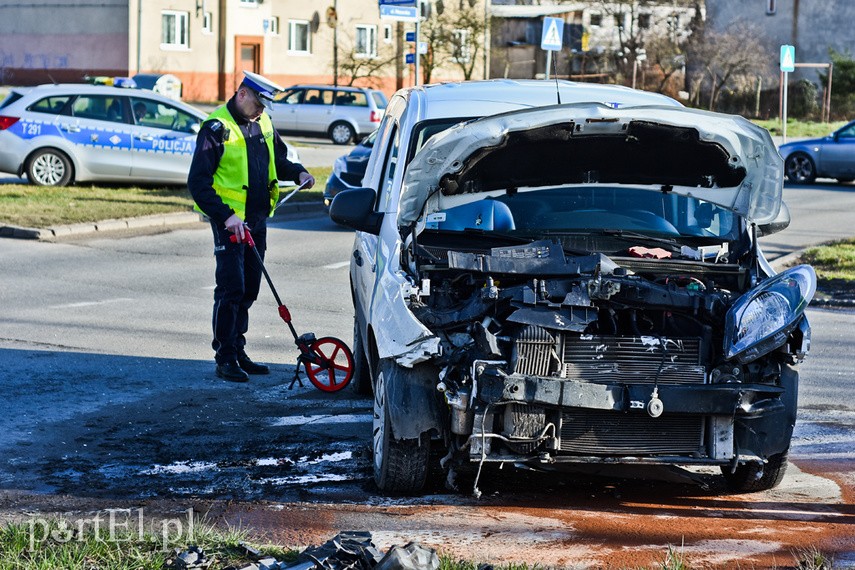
x,y
318,97
293,97
351,98
379,99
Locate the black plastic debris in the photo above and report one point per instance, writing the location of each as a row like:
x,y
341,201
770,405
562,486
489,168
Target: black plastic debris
x,y
193,557
349,550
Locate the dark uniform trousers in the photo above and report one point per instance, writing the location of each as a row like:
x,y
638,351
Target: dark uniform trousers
x,y
238,276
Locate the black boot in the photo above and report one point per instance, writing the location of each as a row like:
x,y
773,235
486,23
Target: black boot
x,y
251,367
231,371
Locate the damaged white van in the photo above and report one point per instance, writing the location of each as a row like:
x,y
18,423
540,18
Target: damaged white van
x,y
550,274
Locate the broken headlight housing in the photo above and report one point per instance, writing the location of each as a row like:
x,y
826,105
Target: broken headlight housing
x,y
762,319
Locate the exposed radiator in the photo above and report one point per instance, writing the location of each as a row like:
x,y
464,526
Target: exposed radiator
x,y
535,350
594,432
633,359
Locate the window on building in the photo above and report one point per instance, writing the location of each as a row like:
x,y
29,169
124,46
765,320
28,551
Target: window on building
x,y
175,29
366,41
644,21
596,19
771,7
673,26
462,48
619,20
387,34
249,2
207,23
298,36
271,26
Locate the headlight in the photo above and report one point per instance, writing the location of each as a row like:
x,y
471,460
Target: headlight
x,y
762,319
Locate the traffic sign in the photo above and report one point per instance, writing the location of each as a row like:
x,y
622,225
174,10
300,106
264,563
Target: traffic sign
x,y
397,2
399,13
409,58
553,34
410,36
788,58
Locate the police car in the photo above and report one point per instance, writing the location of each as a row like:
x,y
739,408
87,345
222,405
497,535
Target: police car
x,y
59,134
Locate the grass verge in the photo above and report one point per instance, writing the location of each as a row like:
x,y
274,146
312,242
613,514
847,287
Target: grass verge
x,y
835,261
30,206
797,128
59,544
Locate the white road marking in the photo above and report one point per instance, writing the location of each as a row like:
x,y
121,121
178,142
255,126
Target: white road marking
x,y
322,419
338,265
90,303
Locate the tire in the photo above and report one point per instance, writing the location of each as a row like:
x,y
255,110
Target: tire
x,y
49,167
341,133
800,168
361,380
753,477
400,465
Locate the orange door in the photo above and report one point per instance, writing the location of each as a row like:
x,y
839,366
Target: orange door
x,y
247,56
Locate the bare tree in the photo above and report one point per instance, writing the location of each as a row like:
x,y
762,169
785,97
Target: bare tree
x,y
465,38
732,60
355,65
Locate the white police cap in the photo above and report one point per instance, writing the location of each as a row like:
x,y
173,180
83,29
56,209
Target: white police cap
x,y
263,87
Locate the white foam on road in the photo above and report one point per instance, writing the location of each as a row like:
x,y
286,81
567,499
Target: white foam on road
x,y
322,419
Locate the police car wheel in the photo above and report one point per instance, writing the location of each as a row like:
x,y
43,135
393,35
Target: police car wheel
x,y
49,167
341,133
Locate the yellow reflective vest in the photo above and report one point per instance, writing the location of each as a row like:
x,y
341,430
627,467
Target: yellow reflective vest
x,y
231,180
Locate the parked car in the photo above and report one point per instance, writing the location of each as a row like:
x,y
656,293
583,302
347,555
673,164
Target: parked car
x,y
341,113
827,157
558,286
59,134
348,170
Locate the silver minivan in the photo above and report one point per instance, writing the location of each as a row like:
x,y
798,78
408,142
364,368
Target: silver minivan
x,y
341,113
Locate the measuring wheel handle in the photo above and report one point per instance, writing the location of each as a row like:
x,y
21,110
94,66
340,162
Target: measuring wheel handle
x,y
329,364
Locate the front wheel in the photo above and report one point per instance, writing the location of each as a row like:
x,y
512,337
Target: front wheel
x,y
49,167
800,168
400,465
753,477
341,133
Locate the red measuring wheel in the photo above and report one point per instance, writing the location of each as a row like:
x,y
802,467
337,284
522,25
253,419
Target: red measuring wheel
x,y
330,366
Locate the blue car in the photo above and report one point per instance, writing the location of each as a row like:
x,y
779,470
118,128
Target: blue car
x,y
828,157
349,169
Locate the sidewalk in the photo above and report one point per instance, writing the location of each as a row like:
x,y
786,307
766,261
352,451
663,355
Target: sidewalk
x,y
145,224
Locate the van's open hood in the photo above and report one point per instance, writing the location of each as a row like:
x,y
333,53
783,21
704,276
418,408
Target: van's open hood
x,y
723,159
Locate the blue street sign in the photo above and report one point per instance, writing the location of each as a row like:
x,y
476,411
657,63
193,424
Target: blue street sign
x,y
410,36
410,58
553,34
400,13
788,58
397,2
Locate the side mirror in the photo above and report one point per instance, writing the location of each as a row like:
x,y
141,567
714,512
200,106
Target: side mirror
x,y
780,223
354,208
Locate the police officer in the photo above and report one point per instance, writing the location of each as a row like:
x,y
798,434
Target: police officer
x,y
233,178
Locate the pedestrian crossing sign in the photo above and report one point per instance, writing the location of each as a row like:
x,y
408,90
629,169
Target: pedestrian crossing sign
x,y
788,58
553,34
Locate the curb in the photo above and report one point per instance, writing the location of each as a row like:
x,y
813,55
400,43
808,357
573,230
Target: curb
x,y
157,221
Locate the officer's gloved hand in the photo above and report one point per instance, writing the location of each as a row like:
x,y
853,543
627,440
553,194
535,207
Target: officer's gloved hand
x,y
306,178
235,225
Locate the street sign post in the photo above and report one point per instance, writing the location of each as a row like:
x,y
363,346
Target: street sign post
x,y
405,11
788,65
552,38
